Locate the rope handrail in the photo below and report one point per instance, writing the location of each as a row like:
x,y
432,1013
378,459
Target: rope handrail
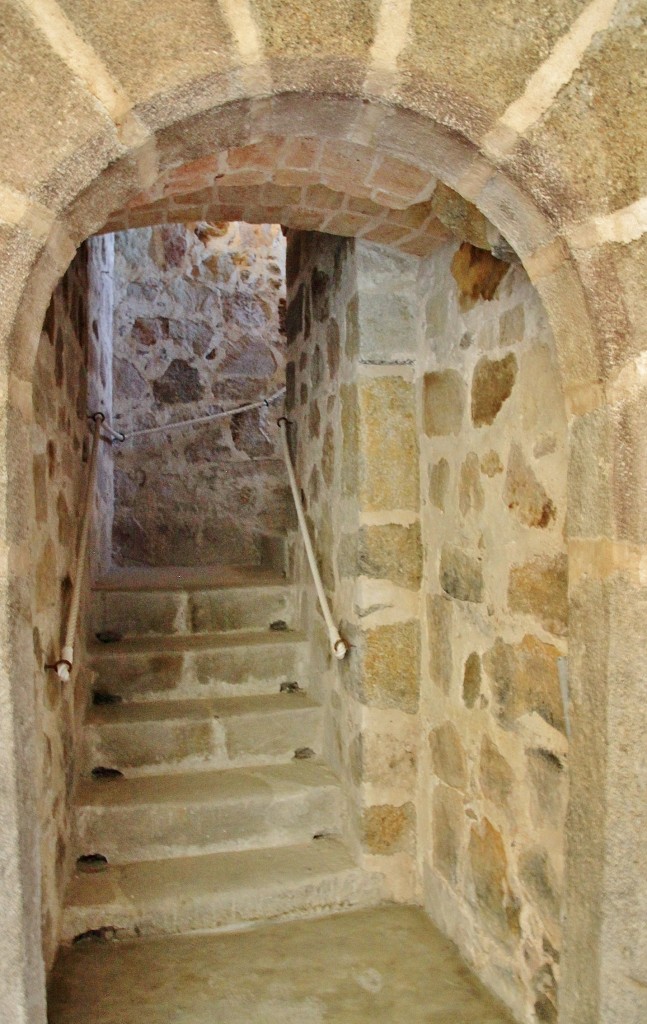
x,y
63,667
339,647
161,428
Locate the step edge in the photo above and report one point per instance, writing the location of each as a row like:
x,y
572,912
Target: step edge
x,y
94,721
130,646
328,781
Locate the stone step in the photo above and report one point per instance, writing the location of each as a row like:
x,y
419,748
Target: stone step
x,y
187,577
218,891
221,733
155,816
141,612
202,665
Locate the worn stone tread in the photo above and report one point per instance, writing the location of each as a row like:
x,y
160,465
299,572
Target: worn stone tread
x,y
208,787
181,642
386,965
174,578
219,889
198,709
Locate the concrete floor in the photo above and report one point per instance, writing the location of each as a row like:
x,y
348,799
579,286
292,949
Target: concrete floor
x,y
388,965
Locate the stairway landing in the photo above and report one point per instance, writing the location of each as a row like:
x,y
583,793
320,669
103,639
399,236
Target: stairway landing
x,y
383,966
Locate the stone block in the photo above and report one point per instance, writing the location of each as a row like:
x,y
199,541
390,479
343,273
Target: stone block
x,y
524,494
472,680
436,313
300,152
540,588
384,670
135,676
314,421
461,574
290,30
131,613
386,233
391,552
444,395
320,292
179,383
389,445
389,829
316,368
448,756
356,758
293,249
389,757
439,626
594,114
352,328
401,178
496,777
324,547
347,224
492,385
512,326
493,899
51,158
350,439
538,878
314,486
448,826
437,45
463,219
439,483
470,490
630,462
40,488
290,384
46,580
319,197
328,455
524,680
333,348
294,315
181,47
230,608
548,786
491,464
477,273
387,326
346,160
590,475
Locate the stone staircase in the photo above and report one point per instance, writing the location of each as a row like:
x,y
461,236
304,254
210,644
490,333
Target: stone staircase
x,y
204,802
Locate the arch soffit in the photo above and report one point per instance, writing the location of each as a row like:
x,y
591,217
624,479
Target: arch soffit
x,y
370,134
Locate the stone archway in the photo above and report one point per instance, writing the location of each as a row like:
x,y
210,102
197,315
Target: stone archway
x,y
514,149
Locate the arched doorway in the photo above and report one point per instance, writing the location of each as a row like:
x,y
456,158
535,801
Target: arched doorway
x,y
595,346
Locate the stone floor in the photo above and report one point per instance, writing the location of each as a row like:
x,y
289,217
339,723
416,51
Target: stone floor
x,y
388,965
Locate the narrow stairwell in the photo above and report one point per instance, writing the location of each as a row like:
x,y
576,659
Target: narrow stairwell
x,y
205,802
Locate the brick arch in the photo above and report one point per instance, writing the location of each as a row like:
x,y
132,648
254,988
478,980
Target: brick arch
x,y
438,131
337,163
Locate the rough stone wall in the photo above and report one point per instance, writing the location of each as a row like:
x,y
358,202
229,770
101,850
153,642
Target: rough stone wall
x,y
101,259
197,330
320,278
493,754
69,358
352,331
430,446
